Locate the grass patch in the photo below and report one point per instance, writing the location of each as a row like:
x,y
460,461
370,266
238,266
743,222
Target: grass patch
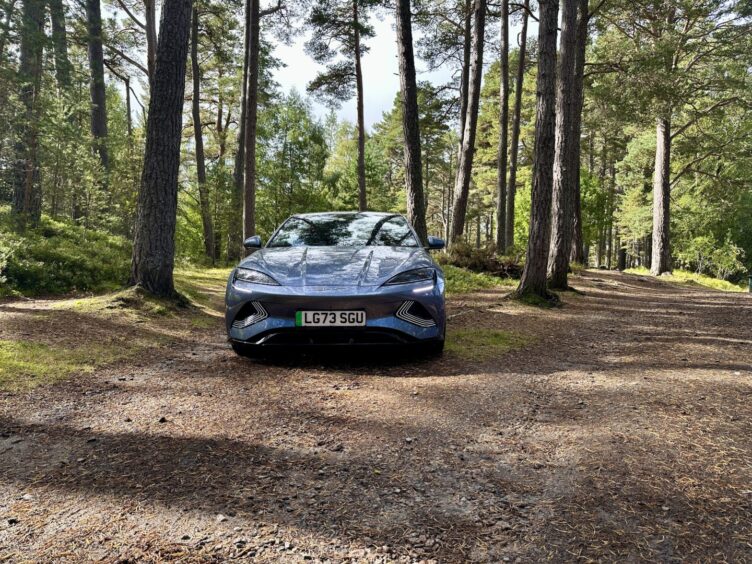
x,y
151,322
535,300
576,268
685,277
25,365
205,287
462,281
484,344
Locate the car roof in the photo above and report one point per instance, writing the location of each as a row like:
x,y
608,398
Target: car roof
x,y
367,213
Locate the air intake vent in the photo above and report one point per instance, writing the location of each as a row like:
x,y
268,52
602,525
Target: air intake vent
x,y
250,313
414,313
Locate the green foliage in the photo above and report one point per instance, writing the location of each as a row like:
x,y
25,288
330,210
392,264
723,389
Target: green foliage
x,y
58,257
462,281
333,44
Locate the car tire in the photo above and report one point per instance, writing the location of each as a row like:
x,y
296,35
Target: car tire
x,y
435,348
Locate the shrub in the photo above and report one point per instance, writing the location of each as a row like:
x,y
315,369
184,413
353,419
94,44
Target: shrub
x,y
484,260
57,257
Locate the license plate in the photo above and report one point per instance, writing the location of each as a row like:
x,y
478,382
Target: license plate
x,y
330,318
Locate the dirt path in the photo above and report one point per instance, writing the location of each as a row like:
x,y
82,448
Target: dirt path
x,y
622,433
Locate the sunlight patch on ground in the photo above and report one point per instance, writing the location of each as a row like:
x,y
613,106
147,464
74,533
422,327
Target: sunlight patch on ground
x,y
691,278
484,344
123,324
25,365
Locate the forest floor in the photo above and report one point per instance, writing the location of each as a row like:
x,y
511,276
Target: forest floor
x,y
617,427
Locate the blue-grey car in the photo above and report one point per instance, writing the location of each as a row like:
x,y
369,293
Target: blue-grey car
x,y
342,278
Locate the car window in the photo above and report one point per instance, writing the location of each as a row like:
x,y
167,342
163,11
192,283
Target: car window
x,y
345,230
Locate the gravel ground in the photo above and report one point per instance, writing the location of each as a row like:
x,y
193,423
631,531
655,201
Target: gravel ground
x,y
621,432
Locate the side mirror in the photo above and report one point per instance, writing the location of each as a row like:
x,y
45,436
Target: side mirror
x,y
435,244
253,242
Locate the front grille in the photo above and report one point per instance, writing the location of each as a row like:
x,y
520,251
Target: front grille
x,y
414,313
249,314
331,336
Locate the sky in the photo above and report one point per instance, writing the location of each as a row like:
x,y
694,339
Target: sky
x,y
380,72
380,67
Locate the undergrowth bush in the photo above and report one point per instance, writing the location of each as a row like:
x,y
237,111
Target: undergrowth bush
x,y
483,260
57,257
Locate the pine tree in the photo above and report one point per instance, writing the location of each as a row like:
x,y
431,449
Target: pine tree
x,y
533,281
416,208
154,244
344,24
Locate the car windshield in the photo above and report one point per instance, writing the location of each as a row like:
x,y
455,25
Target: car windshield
x,y
345,230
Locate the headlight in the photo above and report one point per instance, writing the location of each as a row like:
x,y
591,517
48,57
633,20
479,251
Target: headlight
x,y
411,276
255,277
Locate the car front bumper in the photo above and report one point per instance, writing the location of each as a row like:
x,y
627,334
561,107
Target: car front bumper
x,y
381,304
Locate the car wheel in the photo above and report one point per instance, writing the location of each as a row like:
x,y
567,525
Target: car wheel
x,y
435,348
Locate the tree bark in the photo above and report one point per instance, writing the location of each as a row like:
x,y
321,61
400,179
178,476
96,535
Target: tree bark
x,y
150,11
235,235
416,207
577,253
465,162
203,191
362,201
467,44
501,179
564,179
621,255
27,187
128,111
97,85
512,185
661,252
533,280
60,44
251,117
154,244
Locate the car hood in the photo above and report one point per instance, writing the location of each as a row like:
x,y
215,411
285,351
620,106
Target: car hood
x,y
336,266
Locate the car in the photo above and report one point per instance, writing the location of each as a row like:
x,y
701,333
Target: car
x,y
337,279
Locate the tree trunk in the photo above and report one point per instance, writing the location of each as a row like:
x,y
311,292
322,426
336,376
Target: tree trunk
x,y
600,251
97,85
661,252
27,187
465,162
501,179
449,197
467,44
533,280
154,244
235,232
416,207
251,115
150,10
577,253
128,114
610,216
562,202
203,191
621,255
60,43
362,201
512,186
